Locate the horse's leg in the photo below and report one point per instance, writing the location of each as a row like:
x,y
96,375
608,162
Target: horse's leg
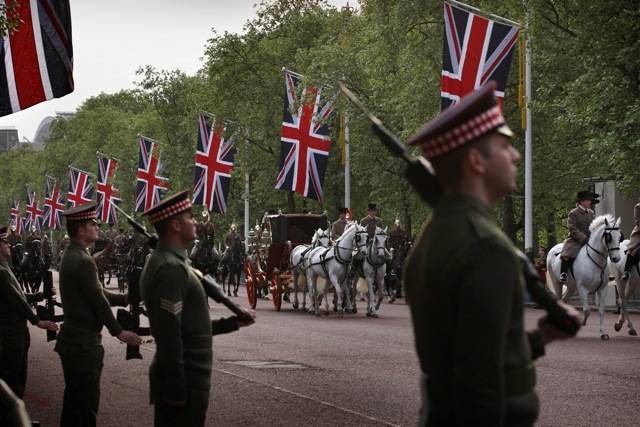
x,y
295,274
602,296
620,286
312,280
631,287
586,310
380,278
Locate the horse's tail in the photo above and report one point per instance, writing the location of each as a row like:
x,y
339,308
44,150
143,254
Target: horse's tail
x,y
362,285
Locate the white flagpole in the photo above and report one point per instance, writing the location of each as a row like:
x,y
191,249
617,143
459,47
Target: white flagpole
x,y
246,211
347,171
528,138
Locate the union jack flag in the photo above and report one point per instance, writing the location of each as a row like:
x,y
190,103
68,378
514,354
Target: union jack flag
x,y
108,196
476,50
214,162
36,61
16,216
80,188
304,140
53,205
34,213
150,186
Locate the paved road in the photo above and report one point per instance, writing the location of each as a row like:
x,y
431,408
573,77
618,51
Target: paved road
x,y
295,369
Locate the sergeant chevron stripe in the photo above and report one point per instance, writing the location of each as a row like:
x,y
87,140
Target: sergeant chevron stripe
x,y
171,307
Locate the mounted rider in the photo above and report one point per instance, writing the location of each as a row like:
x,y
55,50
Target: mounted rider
x,y
633,248
578,222
338,226
13,237
397,236
31,237
370,222
205,230
232,237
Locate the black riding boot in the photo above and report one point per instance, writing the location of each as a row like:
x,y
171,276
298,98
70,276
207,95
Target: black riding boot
x,y
628,265
565,264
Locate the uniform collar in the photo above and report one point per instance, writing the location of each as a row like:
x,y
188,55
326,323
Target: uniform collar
x,y
77,245
180,253
455,202
4,264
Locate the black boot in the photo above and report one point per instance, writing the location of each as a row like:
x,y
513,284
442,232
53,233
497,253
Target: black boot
x,y
565,263
628,265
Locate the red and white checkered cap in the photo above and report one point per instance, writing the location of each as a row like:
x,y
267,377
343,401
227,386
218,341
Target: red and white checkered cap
x,y
474,116
169,207
82,212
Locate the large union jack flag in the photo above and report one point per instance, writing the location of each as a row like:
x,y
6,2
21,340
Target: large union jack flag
x,y
36,61
53,205
16,216
304,140
80,188
34,213
150,186
214,162
476,50
107,195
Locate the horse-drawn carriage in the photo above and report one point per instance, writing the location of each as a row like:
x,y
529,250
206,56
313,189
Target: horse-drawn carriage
x,y
267,265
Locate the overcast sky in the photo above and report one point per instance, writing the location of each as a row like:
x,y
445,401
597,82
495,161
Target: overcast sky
x,y
112,39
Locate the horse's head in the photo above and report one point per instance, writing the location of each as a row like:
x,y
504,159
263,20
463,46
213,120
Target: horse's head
x,y
379,241
321,238
360,238
606,229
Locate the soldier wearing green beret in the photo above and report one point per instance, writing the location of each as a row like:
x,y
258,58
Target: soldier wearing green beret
x,y
176,302
14,313
87,308
464,280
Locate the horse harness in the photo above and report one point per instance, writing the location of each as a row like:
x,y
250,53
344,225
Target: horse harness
x,y
336,254
607,239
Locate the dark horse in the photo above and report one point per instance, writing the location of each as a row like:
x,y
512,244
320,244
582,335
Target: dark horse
x,y
33,267
232,263
205,257
393,279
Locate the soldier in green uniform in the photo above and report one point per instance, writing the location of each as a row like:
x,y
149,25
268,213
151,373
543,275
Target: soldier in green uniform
x,y
578,222
176,301
464,281
87,308
14,313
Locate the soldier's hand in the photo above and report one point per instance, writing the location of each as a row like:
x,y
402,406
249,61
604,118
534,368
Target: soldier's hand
x,y
48,325
129,338
549,332
248,319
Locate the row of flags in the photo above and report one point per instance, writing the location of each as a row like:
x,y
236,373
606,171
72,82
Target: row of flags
x,y
476,50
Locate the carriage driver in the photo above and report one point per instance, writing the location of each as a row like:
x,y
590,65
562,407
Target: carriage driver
x,y
633,248
578,223
370,222
176,300
338,226
464,279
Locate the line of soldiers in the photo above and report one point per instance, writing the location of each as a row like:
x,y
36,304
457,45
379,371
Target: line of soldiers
x,y
176,302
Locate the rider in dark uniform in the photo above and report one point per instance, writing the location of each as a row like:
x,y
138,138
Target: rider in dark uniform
x,y
180,373
87,309
464,280
14,313
578,222
338,226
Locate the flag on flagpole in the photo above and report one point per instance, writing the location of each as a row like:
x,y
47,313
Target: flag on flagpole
x,y
34,213
214,162
150,186
36,60
16,216
476,50
304,141
107,195
53,205
80,188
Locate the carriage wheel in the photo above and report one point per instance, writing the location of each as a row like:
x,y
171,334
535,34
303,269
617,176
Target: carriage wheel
x,y
276,289
250,281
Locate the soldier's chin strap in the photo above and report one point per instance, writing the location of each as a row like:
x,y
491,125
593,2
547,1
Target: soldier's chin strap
x,y
421,175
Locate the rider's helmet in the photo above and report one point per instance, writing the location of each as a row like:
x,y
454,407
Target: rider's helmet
x,y
205,214
33,229
233,226
13,228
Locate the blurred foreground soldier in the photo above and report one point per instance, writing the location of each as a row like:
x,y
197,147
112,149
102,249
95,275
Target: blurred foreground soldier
x,y
14,312
337,228
12,410
87,308
464,280
180,373
578,222
633,248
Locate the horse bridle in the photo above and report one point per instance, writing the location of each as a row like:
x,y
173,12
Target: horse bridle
x,y
606,237
377,250
359,245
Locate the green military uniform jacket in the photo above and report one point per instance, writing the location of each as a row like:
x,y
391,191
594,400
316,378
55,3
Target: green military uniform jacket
x,y
86,305
370,224
465,289
578,223
14,303
178,310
